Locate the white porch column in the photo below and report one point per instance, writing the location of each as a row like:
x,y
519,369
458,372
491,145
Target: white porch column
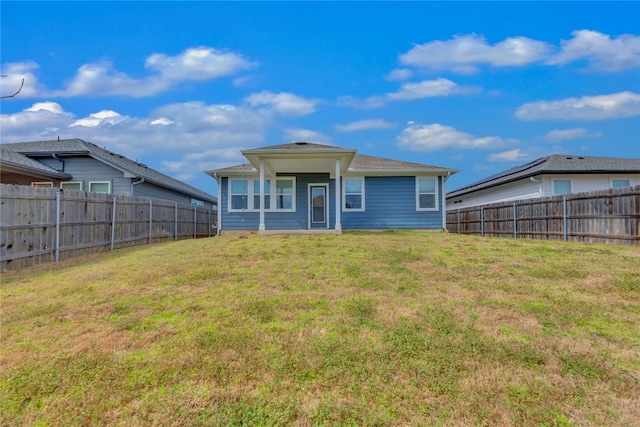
x,y
338,194
261,226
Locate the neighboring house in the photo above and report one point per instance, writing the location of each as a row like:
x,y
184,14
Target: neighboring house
x,y
297,183
548,176
75,164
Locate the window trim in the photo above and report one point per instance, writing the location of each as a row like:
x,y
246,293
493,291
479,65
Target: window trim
x,y
553,184
273,186
231,194
100,182
42,184
435,193
71,182
344,194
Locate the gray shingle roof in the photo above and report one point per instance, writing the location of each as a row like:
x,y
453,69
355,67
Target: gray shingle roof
x,y
554,164
369,163
78,146
12,158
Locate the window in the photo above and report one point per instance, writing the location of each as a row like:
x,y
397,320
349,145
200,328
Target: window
x,y
353,194
426,194
42,184
71,185
100,187
284,194
256,194
561,186
239,194
197,203
619,183
244,194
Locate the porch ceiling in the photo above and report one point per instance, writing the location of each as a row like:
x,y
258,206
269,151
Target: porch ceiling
x,y
301,162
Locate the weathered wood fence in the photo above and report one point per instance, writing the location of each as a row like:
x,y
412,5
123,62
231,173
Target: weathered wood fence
x,y
39,225
607,216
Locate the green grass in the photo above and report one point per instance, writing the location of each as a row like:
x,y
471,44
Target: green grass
x,y
362,329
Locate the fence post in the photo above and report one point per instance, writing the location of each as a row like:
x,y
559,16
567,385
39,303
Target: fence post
x,y
564,218
150,221
58,226
209,222
515,231
459,221
195,222
482,220
113,223
175,229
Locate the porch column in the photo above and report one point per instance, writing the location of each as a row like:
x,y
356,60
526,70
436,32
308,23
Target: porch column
x,y
338,193
261,226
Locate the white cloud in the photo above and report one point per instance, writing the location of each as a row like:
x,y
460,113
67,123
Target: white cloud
x,y
600,51
408,92
200,63
101,78
427,89
365,125
463,53
559,135
602,107
399,74
190,137
103,117
283,103
432,137
507,156
12,76
305,135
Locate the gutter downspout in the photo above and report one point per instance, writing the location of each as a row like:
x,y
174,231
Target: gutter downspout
x,y
444,201
136,183
55,156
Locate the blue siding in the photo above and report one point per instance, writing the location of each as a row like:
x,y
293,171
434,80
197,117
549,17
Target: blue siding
x,y
390,202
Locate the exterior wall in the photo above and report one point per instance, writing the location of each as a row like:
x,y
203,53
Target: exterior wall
x,y
390,202
522,189
541,187
587,182
86,169
153,191
19,179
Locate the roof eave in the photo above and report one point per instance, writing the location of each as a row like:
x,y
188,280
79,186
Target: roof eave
x,y
20,168
408,171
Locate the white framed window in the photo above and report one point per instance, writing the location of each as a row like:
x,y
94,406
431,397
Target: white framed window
x,y
71,185
561,186
42,184
197,203
238,194
353,194
256,194
244,194
426,194
619,183
285,194
100,187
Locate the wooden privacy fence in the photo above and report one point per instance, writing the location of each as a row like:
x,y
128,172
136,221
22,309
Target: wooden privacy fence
x,y
607,216
40,225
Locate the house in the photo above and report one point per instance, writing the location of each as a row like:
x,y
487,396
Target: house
x,y
293,187
548,176
74,164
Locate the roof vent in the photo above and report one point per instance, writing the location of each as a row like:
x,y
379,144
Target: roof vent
x,y
301,143
569,158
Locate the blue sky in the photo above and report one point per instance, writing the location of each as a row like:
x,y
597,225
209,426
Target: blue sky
x,y
184,86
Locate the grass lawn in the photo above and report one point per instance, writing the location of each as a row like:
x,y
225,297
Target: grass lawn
x,y
362,329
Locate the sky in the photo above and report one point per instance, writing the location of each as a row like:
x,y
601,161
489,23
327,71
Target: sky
x,y
183,87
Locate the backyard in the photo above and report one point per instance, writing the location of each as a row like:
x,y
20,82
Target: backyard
x,y
360,329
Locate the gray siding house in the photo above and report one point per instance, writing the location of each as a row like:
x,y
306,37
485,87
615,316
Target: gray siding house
x,y
306,186
548,176
75,164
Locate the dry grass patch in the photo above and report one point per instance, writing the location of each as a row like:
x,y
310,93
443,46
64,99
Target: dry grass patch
x,y
396,328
